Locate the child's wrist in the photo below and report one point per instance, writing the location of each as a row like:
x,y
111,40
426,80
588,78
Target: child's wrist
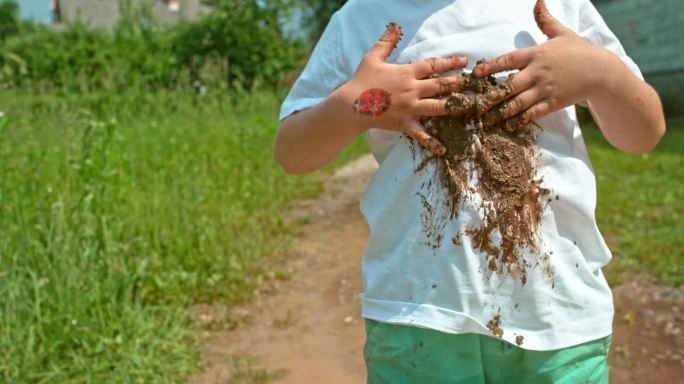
x,y
610,75
340,104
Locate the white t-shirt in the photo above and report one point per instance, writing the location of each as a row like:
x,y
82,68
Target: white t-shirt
x,y
405,280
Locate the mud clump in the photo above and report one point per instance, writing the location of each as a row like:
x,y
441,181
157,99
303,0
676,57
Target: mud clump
x,y
519,340
494,326
490,164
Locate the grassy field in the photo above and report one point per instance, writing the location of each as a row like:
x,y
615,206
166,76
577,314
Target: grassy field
x,y
641,206
117,214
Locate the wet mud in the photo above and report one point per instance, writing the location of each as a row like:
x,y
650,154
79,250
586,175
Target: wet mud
x,y
491,164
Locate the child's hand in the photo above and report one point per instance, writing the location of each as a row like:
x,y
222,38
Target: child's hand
x,y
396,96
563,71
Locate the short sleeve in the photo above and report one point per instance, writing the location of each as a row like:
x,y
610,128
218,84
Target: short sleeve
x,y
594,29
323,73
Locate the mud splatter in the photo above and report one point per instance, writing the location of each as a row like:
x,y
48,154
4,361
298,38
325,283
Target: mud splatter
x,y
494,326
493,168
519,340
433,224
456,240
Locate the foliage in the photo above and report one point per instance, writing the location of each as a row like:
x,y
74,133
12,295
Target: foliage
x,y
239,44
117,214
9,19
319,12
125,199
243,39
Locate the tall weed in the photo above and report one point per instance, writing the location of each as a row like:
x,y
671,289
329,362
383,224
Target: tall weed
x,y
116,220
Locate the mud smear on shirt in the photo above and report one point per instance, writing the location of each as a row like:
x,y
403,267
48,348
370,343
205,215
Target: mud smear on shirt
x,y
492,168
494,326
519,340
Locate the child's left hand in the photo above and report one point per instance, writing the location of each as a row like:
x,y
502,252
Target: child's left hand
x,y
566,70
563,71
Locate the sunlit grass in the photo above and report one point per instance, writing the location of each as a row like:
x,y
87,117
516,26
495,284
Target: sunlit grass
x,y
641,206
117,214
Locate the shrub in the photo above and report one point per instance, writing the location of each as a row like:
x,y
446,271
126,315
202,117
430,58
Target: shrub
x,y
9,19
237,43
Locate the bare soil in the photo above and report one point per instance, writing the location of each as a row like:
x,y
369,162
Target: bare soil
x,y
308,329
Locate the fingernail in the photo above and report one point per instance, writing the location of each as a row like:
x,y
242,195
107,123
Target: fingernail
x,y
393,27
540,10
392,33
437,148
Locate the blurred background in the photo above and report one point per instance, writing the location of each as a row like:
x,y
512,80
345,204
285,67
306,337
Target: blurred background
x,y
137,179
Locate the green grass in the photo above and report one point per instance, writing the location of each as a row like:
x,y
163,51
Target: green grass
x,y
641,206
118,213
247,369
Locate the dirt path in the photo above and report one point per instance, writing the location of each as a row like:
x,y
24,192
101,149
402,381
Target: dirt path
x,y
309,328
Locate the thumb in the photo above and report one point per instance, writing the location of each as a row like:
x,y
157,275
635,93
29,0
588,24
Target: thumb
x,y
547,23
388,41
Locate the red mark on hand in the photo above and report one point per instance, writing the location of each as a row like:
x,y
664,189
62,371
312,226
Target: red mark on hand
x,y
372,102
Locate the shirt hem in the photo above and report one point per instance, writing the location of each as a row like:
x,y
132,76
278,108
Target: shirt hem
x,y
454,322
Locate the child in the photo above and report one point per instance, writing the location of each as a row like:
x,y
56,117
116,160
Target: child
x,y
435,312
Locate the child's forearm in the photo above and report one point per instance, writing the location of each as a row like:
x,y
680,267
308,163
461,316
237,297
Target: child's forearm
x,y
627,110
310,139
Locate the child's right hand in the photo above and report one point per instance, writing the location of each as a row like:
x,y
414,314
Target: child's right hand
x,y
396,96
379,95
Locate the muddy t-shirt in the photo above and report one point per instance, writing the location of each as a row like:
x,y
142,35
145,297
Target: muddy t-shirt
x,y
437,277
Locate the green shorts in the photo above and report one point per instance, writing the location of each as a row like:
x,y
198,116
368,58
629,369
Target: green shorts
x,y
403,354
